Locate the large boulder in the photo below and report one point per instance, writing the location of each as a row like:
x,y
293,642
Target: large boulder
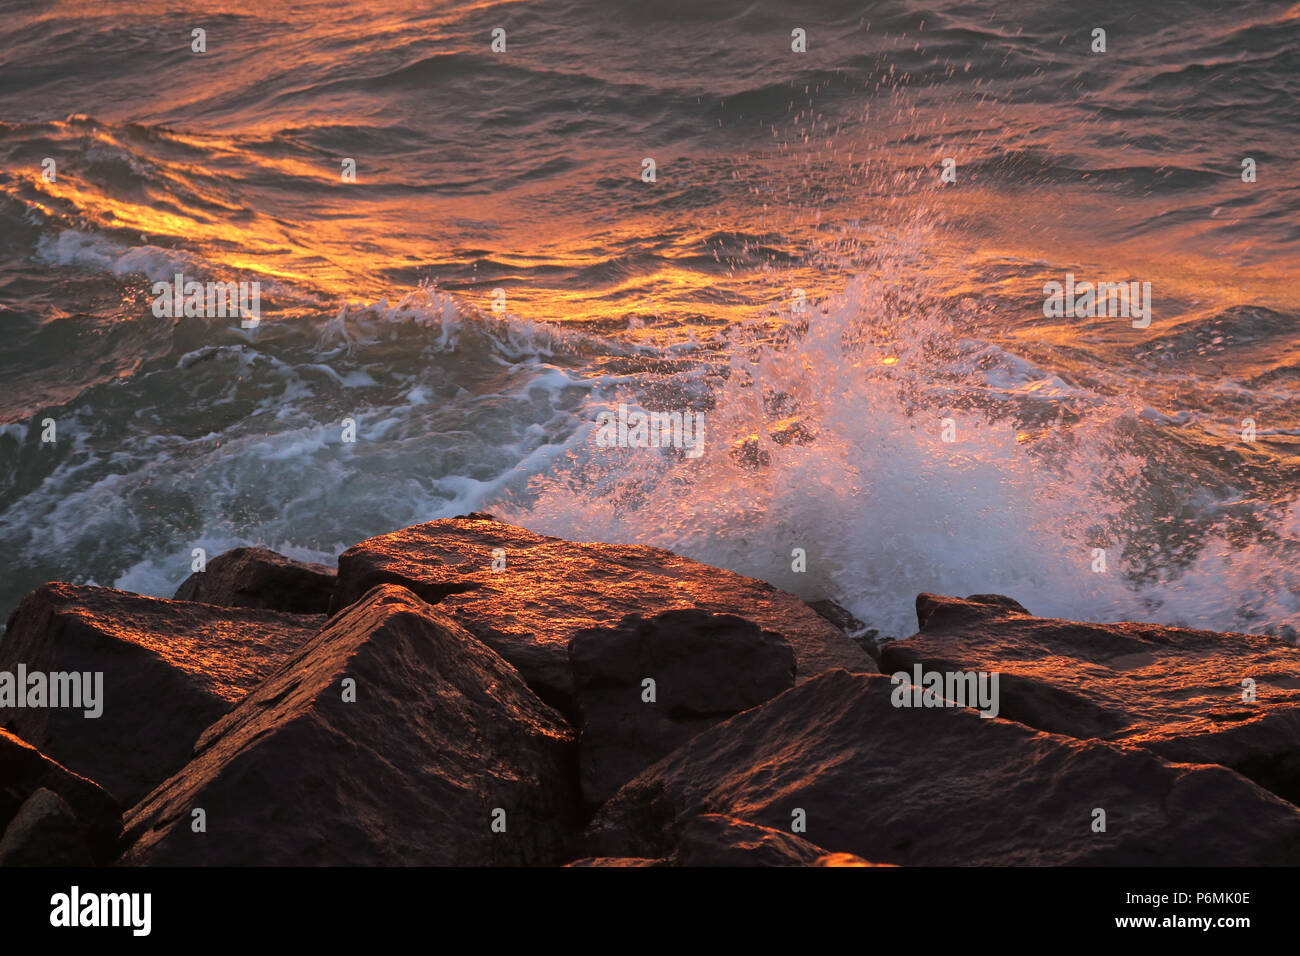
x,y
704,667
867,638
548,589
45,832
170,668
258,578
617,861
1180,693
392,738
24,771
943,786
713,839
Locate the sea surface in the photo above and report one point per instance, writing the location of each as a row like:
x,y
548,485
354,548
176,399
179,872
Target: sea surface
x,y
1074,440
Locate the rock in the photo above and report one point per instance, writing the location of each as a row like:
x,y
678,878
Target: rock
x,y
24,770
1001,600
441,734
712,839
45,832
792,431
943,786
616,861
855,630
550,589
706,667
170,668
749,454
1175,691
258,578
845,859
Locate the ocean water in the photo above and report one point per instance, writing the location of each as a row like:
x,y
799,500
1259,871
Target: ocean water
x,y
828,410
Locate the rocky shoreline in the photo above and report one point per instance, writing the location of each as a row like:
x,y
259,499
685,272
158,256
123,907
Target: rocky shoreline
x,y
466,692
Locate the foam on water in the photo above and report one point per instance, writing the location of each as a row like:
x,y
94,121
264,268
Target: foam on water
x,y
242,442
884,508
825,432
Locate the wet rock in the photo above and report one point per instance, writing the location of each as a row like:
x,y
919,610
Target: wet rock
x,y
258,578
440,736
713,839
24,770
845,859
865,637
943,786
616,861
1174,691
170,668
792,431
749,453
549,589
937,609
704,668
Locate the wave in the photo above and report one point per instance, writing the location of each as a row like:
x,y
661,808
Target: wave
x,y
1040,475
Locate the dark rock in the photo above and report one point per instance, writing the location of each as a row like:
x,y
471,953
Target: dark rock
x,y
170,669
943,786
713,839
855,630
25,770
706,667
1000,600
441,733
1175,691
45,832
792,431
749,454
936,609
258,578
551,589
616,861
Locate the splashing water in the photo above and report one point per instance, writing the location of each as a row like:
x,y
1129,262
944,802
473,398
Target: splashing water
x,y
826,435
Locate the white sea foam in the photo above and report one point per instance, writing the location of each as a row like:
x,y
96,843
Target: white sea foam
x,y
884,508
